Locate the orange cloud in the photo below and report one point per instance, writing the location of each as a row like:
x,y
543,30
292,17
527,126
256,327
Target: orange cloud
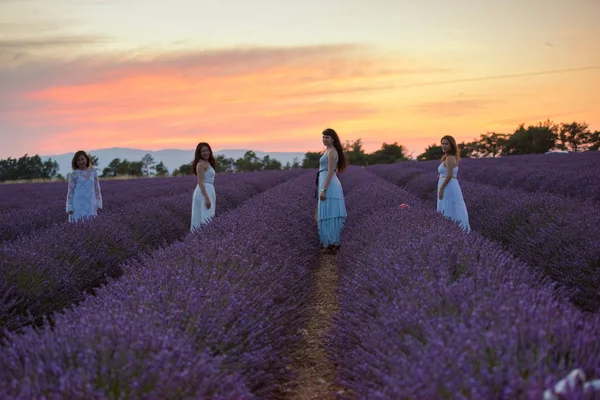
x,y
237,97
274,99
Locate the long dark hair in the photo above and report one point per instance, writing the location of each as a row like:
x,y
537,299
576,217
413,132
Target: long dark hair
x,y
76,156
197,157
453,148
341,163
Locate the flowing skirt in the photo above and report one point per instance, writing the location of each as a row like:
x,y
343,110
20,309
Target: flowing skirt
x,y
200,214
452,204
331,213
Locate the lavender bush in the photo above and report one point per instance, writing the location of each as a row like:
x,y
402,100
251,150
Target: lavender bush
x,y
418,181
574,175
15,197
214,316
553,233
430,312
49,205
54,267
556,235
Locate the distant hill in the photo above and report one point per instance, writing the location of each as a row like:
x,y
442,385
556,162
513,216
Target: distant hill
x,y
171,158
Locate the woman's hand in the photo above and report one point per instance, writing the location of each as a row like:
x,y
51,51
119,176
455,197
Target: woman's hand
x,y
441,194
208,203
322,195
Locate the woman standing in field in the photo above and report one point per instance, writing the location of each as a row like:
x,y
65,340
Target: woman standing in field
x,y
83,195
204,197
331,208
450,202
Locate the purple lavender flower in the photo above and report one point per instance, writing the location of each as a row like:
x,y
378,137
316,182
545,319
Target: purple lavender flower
x,y
553,233
52,267
213,316
428,311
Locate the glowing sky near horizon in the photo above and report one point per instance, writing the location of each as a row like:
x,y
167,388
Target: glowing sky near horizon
x,y
271,75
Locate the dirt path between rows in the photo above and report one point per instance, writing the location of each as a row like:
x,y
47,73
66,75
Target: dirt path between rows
x,y
314,374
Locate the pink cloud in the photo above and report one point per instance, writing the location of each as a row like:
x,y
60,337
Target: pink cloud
x,y
260,94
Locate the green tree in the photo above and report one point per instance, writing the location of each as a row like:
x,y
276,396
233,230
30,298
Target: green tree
x,y
593,141
27,168
161,169
224,164
311,159
532,140
50,169
355,154
573,136
388,154
433,152
94,159
123,168
250,162
269,164
132,168
492,144
468,150
112,169
148,165
184,169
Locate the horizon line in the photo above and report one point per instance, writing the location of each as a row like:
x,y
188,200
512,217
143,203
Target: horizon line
x,y
165,149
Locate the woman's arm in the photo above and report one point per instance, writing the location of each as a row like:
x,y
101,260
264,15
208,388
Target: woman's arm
x,y
97,190
71,191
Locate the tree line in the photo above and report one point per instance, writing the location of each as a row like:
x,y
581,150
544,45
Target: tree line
x,y
27,168
533,139
147,166
250,162
33,168
355,154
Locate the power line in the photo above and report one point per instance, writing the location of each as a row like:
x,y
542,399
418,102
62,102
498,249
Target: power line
x,y
367,89
494,77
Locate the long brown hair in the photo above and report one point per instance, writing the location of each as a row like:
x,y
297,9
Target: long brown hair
x,y
76,157
453,149
341,163
198,157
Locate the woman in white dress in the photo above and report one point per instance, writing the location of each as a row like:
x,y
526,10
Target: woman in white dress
x,y
83,195
204,197
450,202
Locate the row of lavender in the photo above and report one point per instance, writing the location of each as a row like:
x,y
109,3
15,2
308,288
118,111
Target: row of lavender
x,y
44,206
429,312
574,175
555,234
215,316
53,268
15,197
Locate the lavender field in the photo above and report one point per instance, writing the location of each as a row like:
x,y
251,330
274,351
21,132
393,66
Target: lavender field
x,y
131,305
522,203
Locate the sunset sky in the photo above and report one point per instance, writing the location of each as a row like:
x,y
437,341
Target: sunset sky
x,y
270,75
